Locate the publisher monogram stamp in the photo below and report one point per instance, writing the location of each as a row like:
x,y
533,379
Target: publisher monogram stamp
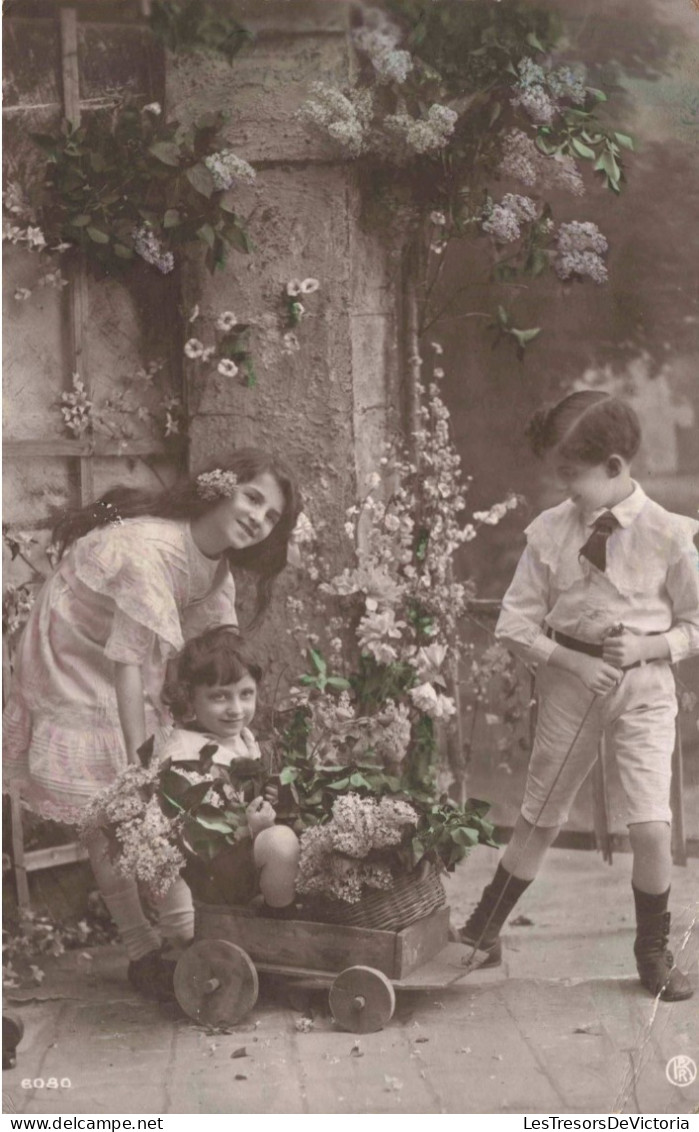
x,y
681,1071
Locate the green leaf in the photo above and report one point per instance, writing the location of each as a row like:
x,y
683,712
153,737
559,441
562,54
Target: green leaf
x,y
288,775
338,682
418,849
582,149
464,835
534,41
207,234
196,794
318,662
80,221
624,140
525,336
239,239
599,95
167,152
341,784
172,218
359,780
97,236
145,751
200,179
607,163
209,818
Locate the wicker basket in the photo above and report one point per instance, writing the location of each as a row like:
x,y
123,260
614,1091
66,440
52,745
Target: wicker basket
x,y
411,897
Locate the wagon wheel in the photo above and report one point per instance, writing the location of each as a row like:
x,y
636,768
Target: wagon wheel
x,y
12,1033
362,1000
216,982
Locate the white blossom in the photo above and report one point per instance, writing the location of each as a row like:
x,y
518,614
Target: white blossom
x,y
149,248
524,162
429,132
227,368
226,168
226,321
579,249
194,348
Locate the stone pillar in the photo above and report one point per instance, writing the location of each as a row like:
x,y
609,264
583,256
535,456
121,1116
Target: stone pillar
x,y
328,407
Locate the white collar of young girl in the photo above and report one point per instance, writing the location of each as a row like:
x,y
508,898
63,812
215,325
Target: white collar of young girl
x,y
216,484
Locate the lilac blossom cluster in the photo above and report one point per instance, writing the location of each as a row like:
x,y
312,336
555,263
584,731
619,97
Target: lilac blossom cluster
x,y
351,852
538,91
226,168
378,38
580,247
339,734
503,220
429,132
147,245
345,117
522,161
148,849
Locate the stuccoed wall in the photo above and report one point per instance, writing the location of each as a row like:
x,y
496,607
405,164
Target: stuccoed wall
x,y
328,407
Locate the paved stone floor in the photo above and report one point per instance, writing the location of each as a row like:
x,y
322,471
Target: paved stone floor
x,y
562,1027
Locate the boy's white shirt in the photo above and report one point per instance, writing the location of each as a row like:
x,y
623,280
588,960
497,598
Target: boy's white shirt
x,y
651,584
184,746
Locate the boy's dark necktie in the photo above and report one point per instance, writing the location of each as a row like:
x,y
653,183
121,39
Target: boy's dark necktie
x,y
595,549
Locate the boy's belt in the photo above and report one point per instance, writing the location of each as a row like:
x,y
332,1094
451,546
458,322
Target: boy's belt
x,y
588,647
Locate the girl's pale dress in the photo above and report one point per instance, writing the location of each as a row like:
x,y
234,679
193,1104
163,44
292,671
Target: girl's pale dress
x,y
131,592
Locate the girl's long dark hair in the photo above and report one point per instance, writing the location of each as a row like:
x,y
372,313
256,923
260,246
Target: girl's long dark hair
x,y
265,559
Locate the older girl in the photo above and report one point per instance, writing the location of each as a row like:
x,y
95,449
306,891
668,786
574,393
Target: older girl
x,y
139,574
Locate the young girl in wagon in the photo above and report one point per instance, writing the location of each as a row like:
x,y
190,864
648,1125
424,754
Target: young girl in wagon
x,y
604,600
139,574
213,701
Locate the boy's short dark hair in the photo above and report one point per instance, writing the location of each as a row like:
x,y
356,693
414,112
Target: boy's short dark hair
x,y
586,427
219,656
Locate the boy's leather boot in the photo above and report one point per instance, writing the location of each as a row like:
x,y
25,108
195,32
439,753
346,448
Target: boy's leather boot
x,y
482,929
654,961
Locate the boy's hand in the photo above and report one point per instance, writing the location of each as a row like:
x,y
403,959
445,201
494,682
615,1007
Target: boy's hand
x,y
623,650
260,815
596,673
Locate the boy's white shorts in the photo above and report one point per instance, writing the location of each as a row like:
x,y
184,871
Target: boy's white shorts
x,y
638,721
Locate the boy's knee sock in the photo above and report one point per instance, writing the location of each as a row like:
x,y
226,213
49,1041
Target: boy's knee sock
x,y
497,901
121,896
176,913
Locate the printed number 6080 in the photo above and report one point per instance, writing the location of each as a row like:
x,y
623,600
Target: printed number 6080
x,y
48,1083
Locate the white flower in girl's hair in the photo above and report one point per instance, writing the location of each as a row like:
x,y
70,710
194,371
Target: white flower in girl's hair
x,y
303,531
217,484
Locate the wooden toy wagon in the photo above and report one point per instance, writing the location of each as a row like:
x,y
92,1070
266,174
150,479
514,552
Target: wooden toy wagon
x,y
216,979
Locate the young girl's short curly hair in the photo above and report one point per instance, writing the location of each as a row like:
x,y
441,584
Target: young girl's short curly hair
x,y
219,656
587,427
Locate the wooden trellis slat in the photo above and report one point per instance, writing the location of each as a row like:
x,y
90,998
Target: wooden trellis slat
x,y
102,446
78,297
